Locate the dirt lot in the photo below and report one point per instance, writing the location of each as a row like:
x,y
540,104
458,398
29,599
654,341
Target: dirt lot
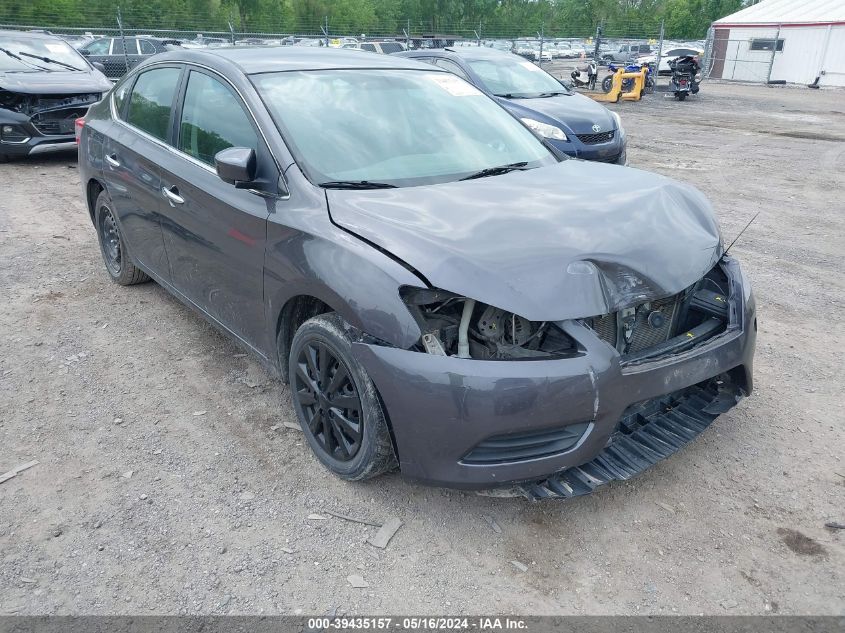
x,y
168,482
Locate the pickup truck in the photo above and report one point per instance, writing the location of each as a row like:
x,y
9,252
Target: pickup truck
x,y
626,53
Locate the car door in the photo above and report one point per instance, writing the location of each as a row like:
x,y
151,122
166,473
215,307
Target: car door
x,y
215,233
98,51
135,145
128,60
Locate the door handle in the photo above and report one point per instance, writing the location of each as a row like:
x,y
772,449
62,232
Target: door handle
x,y
111,159
172,195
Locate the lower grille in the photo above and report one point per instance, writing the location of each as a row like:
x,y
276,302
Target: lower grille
x,y
647,433
57,122
595,139
522,446
607,159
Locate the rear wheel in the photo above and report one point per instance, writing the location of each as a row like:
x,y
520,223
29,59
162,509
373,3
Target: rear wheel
x,y
607,83
336,402
681,95
118,264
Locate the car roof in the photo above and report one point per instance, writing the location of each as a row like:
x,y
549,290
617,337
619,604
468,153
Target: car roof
x,y
284,58
29,34
464,52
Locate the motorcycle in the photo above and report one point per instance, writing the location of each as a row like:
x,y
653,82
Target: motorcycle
x,y
586,75
685,76
627,84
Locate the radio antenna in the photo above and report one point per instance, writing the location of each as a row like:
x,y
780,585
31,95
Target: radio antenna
x,y
741,232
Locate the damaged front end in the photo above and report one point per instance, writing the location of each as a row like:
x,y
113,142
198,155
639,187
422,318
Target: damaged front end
x,y
39,123
489,400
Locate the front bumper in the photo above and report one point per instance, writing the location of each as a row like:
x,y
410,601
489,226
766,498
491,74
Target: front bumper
x,y
442,408
39,145
613,152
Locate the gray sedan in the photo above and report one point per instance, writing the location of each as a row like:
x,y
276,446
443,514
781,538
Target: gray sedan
x,y
412,259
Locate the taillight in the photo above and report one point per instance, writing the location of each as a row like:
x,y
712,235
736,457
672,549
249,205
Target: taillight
x,y
77,128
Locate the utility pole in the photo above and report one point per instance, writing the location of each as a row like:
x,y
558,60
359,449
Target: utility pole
x,y
325,30
122,39
540,61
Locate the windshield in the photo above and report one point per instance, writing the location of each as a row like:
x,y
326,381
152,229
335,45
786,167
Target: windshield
x,y
399,127
514,77
21,49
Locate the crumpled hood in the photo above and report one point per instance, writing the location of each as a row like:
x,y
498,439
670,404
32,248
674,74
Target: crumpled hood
x,y
59,82
528,243
574,112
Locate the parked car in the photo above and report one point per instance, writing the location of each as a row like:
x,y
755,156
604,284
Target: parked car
x,y
386,47
627,53
110,52
668,56
543,54
436,291
576,125
45,85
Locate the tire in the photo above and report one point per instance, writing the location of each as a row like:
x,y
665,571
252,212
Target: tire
x,y
607,83
118,264
3,159
352,441
681,95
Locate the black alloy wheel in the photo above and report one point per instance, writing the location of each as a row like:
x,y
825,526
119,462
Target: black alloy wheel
x,y
329,399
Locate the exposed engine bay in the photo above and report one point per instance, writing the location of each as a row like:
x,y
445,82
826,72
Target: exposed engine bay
x,y
50,114
456,326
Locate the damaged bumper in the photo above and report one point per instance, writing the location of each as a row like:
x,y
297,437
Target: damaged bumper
x,y
40,125
480,424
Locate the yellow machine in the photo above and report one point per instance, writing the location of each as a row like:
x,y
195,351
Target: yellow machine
x,y
616,93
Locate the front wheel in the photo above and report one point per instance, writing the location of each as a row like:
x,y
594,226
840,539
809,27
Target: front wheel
x,y
336,402
680,96
607,83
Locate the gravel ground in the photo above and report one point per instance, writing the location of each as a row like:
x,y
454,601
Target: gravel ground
x,y
169,481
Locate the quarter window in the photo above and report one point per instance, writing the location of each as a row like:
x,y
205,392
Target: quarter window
x,y
152,100
212,120
146,47
369,47
452,67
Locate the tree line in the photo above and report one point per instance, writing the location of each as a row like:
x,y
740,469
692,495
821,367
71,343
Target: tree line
x,y
683,19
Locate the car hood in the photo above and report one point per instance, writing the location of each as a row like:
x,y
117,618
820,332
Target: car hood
x,y
527,243
574,111
58,82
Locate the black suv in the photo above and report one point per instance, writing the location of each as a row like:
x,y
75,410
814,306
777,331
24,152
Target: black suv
x,y
45,85
119,54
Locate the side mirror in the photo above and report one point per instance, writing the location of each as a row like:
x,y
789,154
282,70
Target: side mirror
x,y
99,66
84,52
236,166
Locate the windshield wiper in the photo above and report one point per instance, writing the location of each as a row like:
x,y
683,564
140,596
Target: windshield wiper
x,y
495,171
23,61
50,60
553,93
355,184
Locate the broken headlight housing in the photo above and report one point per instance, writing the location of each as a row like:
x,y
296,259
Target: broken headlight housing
x,y
453,325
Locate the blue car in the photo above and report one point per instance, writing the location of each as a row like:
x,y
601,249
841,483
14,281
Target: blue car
x,y
573,123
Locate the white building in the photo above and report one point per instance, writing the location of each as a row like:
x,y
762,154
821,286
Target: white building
x,y
809,36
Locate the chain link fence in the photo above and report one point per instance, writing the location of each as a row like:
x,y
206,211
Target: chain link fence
x,y
119,42
750,57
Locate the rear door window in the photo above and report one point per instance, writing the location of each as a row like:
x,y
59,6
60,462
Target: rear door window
x,y
391,47
452,67
369,47
213,119
152,101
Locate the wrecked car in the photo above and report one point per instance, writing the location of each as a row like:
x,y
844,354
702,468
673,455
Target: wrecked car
x,y
408,256
45,85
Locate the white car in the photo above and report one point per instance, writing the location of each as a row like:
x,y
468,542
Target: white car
x,y
667,56
542,56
